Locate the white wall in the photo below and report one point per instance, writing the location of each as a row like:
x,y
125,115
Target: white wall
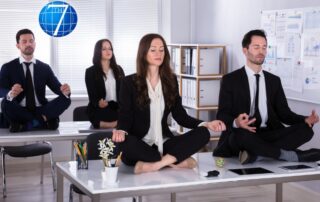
x,y
177,21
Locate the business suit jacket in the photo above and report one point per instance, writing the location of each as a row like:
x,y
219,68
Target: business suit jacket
x,y
234,99
136,120
12,73
96,88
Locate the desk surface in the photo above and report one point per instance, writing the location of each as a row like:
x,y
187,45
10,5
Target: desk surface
x,y
171,180
66,131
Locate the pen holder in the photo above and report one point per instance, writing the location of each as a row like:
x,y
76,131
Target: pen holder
x,y
81,151
82,161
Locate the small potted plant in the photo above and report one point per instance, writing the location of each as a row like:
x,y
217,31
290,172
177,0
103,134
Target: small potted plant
x,y
106,147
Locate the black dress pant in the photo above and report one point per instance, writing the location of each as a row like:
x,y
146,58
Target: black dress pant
x,y
267,142
180,146
14,112
107,114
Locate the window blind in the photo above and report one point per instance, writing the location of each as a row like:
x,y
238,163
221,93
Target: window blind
x,y
16,15
73,53
132,19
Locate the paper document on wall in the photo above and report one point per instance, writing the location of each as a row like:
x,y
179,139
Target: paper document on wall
x,y
293,45
311,21
311,45
294,22
311,75
285,71
268,22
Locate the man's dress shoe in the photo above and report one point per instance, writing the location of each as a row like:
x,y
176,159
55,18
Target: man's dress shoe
x,y
308,155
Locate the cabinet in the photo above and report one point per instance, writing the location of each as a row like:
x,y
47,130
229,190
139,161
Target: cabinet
x,y
199,69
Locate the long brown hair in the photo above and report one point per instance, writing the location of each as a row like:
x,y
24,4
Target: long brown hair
x,y
167,77
96,60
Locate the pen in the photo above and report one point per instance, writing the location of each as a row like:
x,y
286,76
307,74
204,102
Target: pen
x,y
117,164
78,152
80,148
85,150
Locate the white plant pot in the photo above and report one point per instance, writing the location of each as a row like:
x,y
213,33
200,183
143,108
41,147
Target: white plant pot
x,y
110,175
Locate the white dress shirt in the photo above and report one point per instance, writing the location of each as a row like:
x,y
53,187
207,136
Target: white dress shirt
x,y
154,135
110,84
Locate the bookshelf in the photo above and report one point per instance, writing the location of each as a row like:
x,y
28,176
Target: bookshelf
x,y
199,69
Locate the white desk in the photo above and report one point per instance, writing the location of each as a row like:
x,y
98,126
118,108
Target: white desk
x,y
66,131
170,180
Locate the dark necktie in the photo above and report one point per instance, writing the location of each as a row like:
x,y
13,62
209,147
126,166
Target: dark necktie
x,y
30,99
256,104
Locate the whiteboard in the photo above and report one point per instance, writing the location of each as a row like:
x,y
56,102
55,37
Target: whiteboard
x,y
294,50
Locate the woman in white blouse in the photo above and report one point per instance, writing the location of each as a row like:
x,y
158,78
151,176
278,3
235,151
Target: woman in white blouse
x,y
145,101
103,85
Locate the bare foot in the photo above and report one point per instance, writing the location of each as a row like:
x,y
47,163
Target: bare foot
x,y
143,167
188,163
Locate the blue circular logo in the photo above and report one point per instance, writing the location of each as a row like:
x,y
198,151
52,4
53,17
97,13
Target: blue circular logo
x,y
58,19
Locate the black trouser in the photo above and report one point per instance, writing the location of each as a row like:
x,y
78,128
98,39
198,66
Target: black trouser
x,y
14,112
181,147
107,114
268,143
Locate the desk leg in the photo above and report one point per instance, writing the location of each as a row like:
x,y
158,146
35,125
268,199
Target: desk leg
x,y
59,187
95,198
173,197
72,151
279,192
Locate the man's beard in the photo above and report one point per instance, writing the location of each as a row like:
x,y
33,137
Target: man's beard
x,y
28,51
258,62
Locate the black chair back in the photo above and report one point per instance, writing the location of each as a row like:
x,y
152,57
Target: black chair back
x,y
4,123
80,114
92,143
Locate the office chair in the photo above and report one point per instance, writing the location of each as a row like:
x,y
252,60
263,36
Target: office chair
x,y
80,114
93,154
3,121
35,149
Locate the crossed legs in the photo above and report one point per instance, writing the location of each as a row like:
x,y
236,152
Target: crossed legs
x,y
15,113
268,143
177,151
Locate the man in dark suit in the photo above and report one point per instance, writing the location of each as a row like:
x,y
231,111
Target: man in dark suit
x,y
253,105
23,84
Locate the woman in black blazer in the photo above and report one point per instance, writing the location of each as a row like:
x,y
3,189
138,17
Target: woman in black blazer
x,y
103,84
146,99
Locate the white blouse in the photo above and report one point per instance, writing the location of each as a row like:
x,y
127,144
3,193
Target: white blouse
x,y
157,105
110,84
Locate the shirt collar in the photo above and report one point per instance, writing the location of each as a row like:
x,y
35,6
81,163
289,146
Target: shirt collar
x,y
158,87
22,60
251,73
110,73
